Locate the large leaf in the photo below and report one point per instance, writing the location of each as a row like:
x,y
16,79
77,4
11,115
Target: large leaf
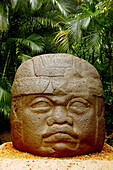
x,y
62,40
36,4
5,110
5,96
85,22
63,6
75,31
49,21
3,22
19,4
3,16
35,42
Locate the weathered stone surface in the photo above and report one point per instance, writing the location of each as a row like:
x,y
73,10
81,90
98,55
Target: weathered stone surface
x,y
57,106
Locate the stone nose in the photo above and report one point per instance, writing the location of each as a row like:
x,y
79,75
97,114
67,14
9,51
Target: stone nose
x,y
59,116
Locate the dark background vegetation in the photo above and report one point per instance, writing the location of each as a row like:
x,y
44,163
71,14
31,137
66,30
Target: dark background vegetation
x,y
79,27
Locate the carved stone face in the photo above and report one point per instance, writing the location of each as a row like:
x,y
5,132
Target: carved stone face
x,y
57,107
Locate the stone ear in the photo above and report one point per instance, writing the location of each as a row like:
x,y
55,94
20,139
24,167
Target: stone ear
x,y
101,124
100,107
16,134
14,109
16,124
101,134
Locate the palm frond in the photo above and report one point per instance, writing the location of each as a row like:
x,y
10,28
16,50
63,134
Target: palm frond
x,y
62,40
75,31
24,57
3,17
105,7
5,96
48,21
85,22
5,110
35,42
93,40
36,4
19,4
63,6
5,103
3,22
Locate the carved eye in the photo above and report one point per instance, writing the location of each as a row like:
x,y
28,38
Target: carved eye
x,y
78,105
41,105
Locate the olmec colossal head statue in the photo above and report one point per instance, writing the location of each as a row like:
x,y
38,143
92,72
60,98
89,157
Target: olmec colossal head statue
x,y
57,107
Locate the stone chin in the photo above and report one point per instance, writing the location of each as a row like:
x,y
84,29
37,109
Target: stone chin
x,y
57,150
64,150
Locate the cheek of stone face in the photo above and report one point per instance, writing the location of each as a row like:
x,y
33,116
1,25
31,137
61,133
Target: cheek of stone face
x,y
85,126
34,127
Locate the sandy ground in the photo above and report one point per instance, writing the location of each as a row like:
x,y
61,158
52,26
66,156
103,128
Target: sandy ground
x,y
53,163
29,164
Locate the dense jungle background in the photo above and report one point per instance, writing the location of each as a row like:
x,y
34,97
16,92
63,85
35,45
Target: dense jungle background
x,y
79,27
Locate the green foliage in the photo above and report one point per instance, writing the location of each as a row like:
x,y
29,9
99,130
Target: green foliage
x,y
5,99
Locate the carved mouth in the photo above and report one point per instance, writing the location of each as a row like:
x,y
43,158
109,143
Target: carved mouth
x,y
60,137
62,129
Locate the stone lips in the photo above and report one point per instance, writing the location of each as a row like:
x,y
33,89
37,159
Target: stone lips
x,y
51,72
